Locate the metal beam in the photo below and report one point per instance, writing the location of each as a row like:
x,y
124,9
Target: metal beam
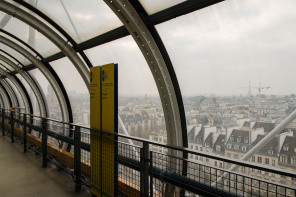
x,y
5,97
10,93
51,79
19,89
33,86
50,34
156,63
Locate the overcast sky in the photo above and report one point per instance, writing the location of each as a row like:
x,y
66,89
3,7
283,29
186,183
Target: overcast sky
x,y
216,50
219,49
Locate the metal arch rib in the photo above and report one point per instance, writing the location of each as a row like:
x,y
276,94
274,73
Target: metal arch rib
x,y
5,98
149,48
29,80
50,34
18,87
45,72
11,93
1,101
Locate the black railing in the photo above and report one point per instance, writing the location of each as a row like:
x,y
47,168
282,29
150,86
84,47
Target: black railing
x,y
145,167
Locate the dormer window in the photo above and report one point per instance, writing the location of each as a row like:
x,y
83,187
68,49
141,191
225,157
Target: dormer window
x,y
244,148
231,138
246,141
286,148
270,152
236,147
218,148
239,139
207,144
229,146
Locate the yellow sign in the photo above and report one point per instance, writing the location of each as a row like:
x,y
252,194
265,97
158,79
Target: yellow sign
x,y
95,123
104,178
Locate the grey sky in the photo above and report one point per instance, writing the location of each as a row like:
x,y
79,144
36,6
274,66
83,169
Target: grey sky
x,y
219,49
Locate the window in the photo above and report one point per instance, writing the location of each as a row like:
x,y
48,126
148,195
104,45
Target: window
x,y
273,162
236,147
253,158
286,148
228,155
239,139
293,161
191,146
235,156
207,144
246,141
266,161
196,157
243,169
244,148
259,159
229,146
221,165
201,149
218,148
215,163
270,152
207,159
283,159
231,138
196,147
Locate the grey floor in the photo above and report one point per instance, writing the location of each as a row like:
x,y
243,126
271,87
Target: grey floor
x,y
21,175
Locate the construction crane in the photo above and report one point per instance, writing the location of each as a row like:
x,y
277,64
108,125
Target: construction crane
x,y
260,88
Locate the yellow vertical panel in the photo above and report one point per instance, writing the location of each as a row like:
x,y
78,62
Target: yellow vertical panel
x,y
108,113
95,123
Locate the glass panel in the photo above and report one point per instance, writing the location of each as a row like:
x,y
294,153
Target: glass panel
x,y
77,91
80,19
17,93
235,64
152,7
50,96
139,102
14,53
29,35
36,110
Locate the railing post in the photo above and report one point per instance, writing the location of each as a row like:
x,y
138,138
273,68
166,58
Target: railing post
x,y
44,143
151,174
12,126
77,158
144,173
3,119
25,131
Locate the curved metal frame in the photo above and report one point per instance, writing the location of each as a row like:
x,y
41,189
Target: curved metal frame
x,y
27,106
5,97
134,24
50,34
55,25
1,101
10,92
29,80
56,87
